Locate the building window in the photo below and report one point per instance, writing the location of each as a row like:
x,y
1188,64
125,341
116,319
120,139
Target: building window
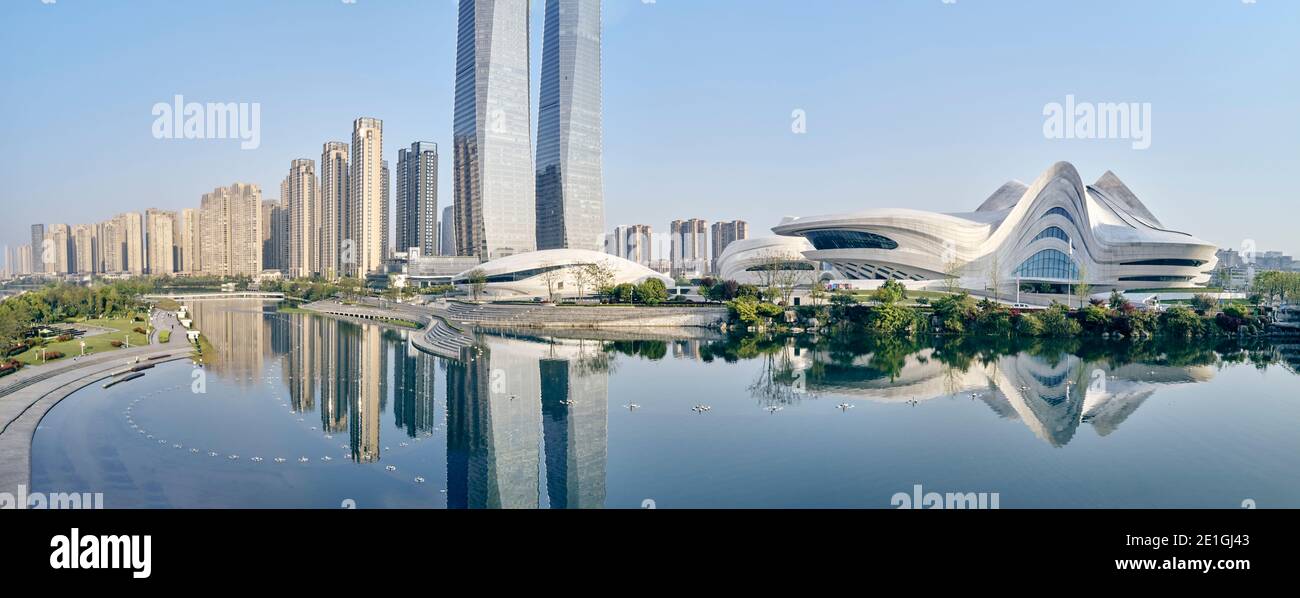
x,y
1061,212
1166,262
1052,232
849,239
1155,278
1049,264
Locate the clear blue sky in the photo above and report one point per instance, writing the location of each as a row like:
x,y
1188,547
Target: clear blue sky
x,y
911,103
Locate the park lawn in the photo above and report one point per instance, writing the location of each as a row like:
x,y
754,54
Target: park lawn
x,y
164,337
168,304
94,345
98,343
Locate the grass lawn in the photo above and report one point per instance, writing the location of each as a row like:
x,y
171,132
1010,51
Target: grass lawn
x,y
164,337
94,344
406,323
168,305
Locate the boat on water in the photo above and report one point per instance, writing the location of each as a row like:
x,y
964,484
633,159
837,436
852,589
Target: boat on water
x,y
127,378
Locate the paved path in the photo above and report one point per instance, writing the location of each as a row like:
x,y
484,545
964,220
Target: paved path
x,y
25,397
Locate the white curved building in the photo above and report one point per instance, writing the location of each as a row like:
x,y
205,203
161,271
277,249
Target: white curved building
x,y
526,275
1051,234
746,261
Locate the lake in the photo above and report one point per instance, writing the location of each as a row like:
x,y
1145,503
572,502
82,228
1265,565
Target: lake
x,y
297,410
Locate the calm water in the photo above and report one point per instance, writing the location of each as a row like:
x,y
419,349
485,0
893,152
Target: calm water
x,y
302,411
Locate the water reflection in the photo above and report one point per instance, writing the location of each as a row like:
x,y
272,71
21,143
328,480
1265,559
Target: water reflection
x,y
502,396
1052,387
526,417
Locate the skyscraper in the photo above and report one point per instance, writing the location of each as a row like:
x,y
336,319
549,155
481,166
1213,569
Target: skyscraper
x,y
690,246
131,228
85,244
231,229
447,242
570,189
59,259
417,198
494,184
334,205
632,242
38,247
367,214
303,204
275,241
190,243
159,241
724,234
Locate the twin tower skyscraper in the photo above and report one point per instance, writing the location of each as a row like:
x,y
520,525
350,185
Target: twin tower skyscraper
x,y
504,202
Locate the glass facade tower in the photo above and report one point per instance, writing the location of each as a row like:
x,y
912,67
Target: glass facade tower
x,y
570,193
492,164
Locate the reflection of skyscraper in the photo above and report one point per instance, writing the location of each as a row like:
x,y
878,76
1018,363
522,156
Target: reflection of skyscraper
x,y
235,330
492,439
414,378
575,402
570,190
371,384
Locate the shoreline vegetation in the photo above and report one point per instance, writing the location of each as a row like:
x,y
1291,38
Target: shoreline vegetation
x,y
51,323
887,312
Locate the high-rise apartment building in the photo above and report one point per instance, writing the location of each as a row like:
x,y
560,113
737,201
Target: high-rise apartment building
x,y
632,242
24,259
367,214
724,234
160,240
570,188
302,201
38,247
275,239
333,206
447,238
85,244
417,198
690,246
131,227
494,183
231,231
58,249
190,242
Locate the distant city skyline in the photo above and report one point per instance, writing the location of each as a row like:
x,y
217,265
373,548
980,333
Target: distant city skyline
x,y
941,104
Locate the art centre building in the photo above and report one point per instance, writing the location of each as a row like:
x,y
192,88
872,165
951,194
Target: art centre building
x,y
1047,236
537,274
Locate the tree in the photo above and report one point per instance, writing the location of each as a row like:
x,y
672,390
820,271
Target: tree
x,y
601,275
652,291
1117,301
477,282
995,276
1204,303
817,291
1082,289
553,278
952,276
890,293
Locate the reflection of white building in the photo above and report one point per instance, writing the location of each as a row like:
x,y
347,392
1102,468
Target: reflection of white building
x,y
538,273
1049,234
753,261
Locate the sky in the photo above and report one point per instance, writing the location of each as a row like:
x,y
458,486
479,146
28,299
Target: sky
x,y
926,104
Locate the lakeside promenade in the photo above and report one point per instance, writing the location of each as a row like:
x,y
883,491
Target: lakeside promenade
x,y
26,396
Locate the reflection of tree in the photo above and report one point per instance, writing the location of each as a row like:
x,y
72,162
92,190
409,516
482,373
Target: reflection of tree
x,y
780,381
